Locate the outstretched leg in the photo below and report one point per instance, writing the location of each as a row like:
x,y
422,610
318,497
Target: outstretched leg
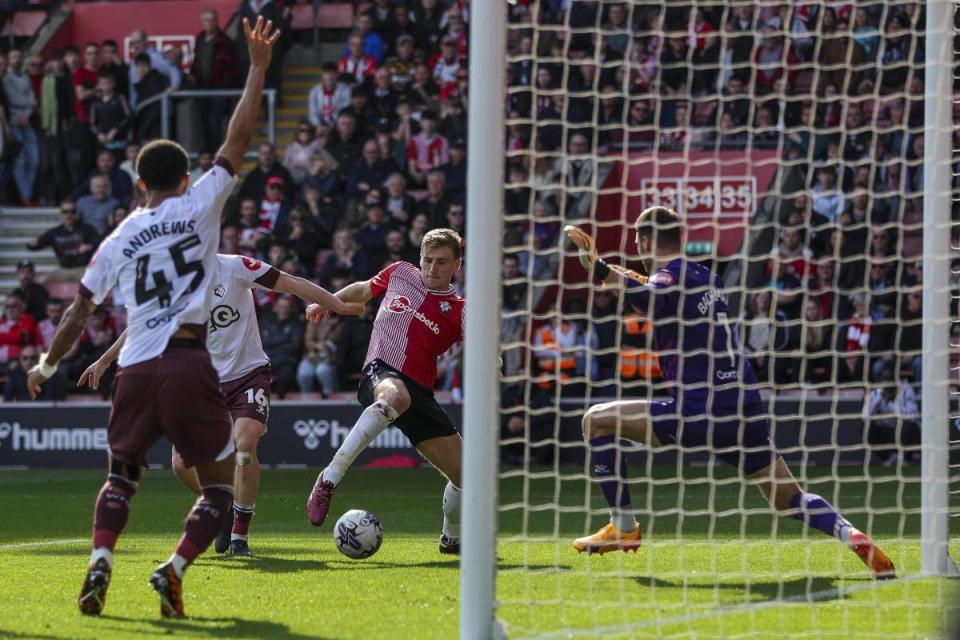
x,y
784,493
391,399
109,519
603,427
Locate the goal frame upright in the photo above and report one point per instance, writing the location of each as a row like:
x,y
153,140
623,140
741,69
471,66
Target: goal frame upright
x,y
485,157
937,202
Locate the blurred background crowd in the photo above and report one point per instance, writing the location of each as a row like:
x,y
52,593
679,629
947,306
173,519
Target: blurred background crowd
x,y
378,158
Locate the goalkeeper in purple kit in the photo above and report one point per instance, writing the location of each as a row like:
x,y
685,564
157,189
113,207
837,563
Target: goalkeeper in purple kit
x,y
714,404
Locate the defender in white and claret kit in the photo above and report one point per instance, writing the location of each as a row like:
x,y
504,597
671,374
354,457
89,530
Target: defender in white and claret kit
x,y
243,368
163,258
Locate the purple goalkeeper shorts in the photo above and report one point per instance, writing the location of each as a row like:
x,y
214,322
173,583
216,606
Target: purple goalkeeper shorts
x,y
741,439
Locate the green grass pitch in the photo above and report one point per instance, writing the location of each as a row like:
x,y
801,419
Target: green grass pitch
x,y
698,575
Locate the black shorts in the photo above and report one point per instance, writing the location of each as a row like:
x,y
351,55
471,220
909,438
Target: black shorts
x,y
423,420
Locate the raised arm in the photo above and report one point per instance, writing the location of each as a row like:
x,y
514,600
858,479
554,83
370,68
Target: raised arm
x,y
95,371
70,327
260,41
317,295
613,274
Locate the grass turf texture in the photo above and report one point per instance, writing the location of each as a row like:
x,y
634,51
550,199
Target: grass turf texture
x,y
695,576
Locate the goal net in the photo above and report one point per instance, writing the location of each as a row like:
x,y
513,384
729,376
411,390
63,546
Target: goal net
x,y
790,138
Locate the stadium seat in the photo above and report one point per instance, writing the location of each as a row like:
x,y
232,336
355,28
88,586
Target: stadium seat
x,y
335,16
64,290
24,24
329,16
301,17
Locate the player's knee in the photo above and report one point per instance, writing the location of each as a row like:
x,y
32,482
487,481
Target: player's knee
x,y
397,398
125,475
247,437
592,424
783,497
176,463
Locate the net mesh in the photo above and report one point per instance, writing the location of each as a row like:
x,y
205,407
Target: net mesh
x,y
789,137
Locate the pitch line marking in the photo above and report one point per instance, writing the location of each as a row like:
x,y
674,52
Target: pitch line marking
x,y
727,610
42,543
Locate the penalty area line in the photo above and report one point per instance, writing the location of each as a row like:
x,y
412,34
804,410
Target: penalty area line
x,y
43,543
746,607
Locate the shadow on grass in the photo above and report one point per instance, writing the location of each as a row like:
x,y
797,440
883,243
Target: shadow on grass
x,y
267,564
7,633
209,627
808,589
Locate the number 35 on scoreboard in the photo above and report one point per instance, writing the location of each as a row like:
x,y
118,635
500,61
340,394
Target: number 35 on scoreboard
x,y
703,198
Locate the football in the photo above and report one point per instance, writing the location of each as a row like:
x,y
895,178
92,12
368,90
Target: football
x,y
358,534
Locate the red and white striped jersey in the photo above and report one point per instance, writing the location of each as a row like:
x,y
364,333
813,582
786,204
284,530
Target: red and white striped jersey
x,y
414,325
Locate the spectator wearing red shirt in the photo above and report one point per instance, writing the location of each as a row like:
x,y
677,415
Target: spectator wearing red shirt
x,y
85,81
17,330
445,64
770,61
357,64
427,150
454,26
34,68
793,252
216,65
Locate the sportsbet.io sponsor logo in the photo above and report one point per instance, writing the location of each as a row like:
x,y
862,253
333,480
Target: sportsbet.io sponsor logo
x,y
17,438
314,432
401,304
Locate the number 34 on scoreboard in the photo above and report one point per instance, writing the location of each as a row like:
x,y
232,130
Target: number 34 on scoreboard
x,y
702,198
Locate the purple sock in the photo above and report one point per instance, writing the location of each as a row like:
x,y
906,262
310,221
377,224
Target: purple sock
x,y
816,512
606,461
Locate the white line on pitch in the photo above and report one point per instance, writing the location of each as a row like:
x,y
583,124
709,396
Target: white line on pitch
x,y
726,611
42,543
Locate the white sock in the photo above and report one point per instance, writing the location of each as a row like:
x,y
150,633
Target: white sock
x,y
623,520
237,536
451,511
370,424
101,552
179,564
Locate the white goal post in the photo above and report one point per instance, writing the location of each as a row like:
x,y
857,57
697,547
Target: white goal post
x,y
485,133
937,202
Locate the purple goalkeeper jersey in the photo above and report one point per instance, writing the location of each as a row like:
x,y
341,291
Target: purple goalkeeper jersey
x,y
694,338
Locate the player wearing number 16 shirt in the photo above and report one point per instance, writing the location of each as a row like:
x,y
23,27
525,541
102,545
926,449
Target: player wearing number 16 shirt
x,y
419,318
715,403
243,368
163,258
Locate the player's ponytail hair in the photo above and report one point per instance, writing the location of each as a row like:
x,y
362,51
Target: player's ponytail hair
x,y
443,238
663,225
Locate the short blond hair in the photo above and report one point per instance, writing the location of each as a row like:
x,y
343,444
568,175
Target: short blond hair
x,y
442,238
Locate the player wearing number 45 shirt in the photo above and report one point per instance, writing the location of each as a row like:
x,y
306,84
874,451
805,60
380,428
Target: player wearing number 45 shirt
x,y
163,258
419,318
233,339
715,405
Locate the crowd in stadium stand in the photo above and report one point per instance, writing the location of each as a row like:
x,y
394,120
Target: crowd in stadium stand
x,y
380,159
836,90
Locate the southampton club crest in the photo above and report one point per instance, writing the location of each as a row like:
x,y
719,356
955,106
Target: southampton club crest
x,y
444,306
